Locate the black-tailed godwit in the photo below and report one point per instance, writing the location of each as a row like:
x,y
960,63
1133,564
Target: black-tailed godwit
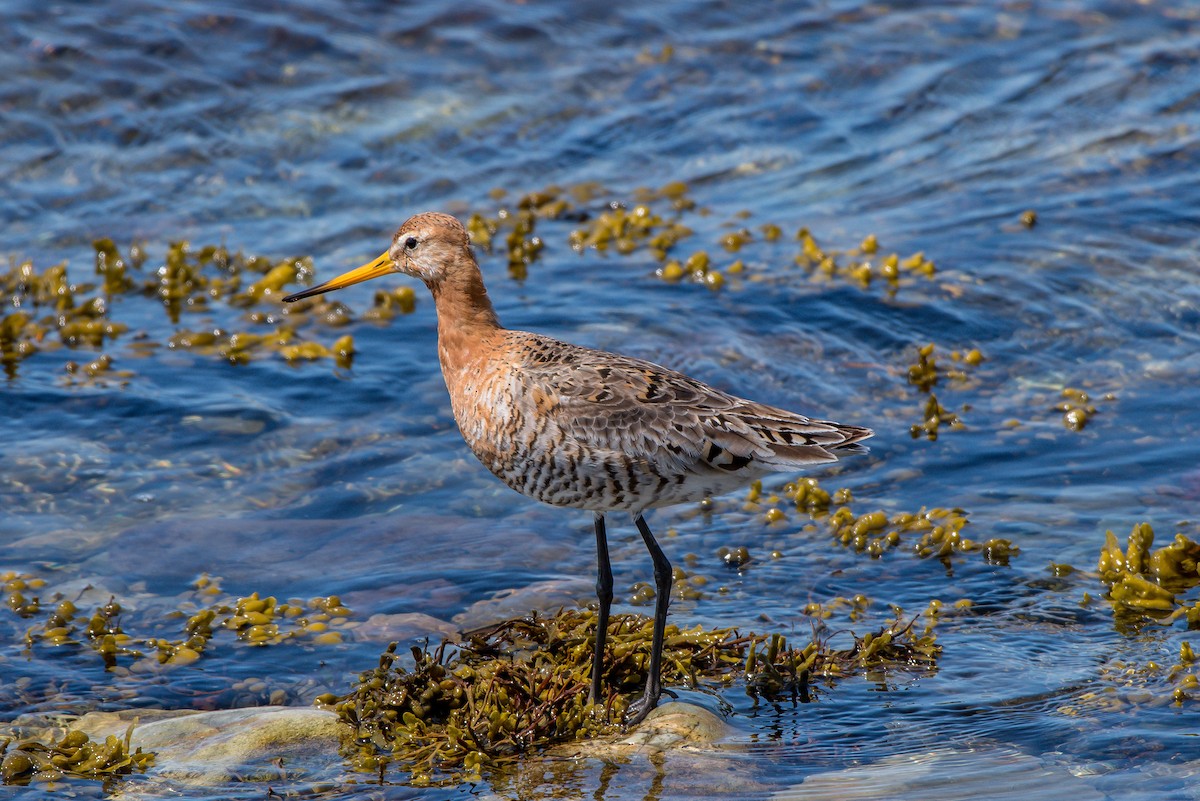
x,y
577,427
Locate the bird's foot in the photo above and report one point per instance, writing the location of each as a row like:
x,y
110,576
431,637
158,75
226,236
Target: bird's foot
x,y
638,710
642,707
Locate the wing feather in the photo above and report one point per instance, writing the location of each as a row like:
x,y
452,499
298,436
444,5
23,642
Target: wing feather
x,y
644,410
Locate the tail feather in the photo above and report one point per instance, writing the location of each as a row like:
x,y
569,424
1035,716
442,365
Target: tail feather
x,y
781,441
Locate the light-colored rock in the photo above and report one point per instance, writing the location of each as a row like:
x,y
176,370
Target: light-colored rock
x,y
403,626
997,773
274,744
681,746
543,596
674,726
210,748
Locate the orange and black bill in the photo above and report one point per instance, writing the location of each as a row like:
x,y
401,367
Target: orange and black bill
x,y
373,269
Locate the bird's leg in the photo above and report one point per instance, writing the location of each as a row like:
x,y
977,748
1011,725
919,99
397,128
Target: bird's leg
x,y
604,593
662,597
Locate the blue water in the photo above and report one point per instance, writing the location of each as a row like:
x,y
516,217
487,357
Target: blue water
x,y
300,129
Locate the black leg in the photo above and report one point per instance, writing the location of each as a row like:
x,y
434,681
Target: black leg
x,y
604,593
662,598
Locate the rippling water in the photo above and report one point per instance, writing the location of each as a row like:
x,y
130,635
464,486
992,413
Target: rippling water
x,y
294,129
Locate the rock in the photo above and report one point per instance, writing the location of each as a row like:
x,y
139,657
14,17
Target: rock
x,y
542,596
679,745
256,744
404,626
997,773
285,745
674,726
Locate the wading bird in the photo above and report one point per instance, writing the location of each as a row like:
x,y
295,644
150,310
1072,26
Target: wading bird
x,y
581,428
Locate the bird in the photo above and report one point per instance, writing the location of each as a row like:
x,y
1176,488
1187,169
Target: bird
x,y
577,427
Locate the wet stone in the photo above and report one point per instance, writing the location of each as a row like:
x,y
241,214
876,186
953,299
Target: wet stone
x,y
671,726
210,748
677,725
543,597
404,626
999,772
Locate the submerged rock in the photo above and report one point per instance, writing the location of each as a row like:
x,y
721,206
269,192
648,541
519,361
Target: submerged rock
x,y
290,744
676,725
257,744
545,597
996,772
403,626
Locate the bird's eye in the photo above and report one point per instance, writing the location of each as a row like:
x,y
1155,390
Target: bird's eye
x,y
410,243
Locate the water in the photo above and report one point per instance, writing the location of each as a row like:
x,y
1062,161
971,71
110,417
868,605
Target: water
x,y
291,129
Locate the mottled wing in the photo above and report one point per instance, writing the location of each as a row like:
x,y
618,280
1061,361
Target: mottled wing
x,y
641,409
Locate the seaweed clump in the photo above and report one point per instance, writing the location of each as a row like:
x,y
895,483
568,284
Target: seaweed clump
x,y
656,223
58,622
1128,685
523,684
939,534
924,374
515,224
931,532
51,310
1145,583
1076,406
74,755
861,266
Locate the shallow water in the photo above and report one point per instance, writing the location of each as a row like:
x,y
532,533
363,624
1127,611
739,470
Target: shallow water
x,y
294,130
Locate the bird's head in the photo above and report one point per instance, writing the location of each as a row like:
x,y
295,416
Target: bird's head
x,y
428,246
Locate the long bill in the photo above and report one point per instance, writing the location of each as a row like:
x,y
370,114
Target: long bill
x,y
372,269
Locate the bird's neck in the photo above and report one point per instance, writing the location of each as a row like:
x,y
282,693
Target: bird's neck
x,y
466,318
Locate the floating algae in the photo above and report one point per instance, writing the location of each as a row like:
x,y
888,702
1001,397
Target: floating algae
x,y
1076,407
924,374
861,266
58,622
940,534
1126,686
211,286
1144,583
652,223
1146,586
224,304
933,417
74,755
929,532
